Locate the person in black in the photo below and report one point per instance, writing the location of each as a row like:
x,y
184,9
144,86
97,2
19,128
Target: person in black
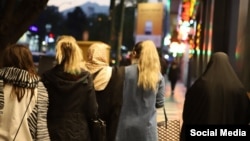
x,y
108,84
164,64
173,75
124,61
217,97
72,100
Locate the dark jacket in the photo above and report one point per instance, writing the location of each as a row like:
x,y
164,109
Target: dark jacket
x,y
217,97
164,65
110,101
174,72
72,103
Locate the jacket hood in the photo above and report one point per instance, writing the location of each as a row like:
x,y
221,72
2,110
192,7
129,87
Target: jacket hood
x,y
62,80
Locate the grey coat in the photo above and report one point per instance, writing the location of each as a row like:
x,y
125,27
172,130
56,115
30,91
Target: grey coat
x,y
138,115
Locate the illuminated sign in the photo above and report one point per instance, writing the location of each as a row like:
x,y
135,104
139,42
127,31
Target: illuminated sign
x,y
149,22
185,12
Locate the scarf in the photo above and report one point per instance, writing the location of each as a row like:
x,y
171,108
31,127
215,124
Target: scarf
x,y
19,77
98,61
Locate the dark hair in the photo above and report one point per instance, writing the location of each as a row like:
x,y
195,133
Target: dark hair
x,y
19,56
137,49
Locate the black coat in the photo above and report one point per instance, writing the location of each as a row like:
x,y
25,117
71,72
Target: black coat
x,y
110,101
72,103
217,97
174,72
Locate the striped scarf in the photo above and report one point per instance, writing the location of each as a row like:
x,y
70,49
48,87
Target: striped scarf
x,y
19,77
22,78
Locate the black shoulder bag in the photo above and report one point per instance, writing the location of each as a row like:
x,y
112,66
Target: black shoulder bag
x,y
98,130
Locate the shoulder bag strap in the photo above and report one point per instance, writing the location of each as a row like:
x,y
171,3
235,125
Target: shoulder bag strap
x,y
165,115
22,119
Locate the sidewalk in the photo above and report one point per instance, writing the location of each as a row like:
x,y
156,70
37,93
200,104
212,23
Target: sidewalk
x,y
173,105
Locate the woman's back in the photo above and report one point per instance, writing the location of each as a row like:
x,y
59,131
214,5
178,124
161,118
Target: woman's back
x,y
108,83
72,101
72,104
138,116
143,92
110,102
23,98
217,97
34,125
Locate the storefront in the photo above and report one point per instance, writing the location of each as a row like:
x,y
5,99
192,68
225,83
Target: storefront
x,y
222,25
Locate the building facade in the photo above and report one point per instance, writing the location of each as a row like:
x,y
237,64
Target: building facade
x,y
222,25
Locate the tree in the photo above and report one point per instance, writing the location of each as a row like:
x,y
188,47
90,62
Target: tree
x,y
99,29
51,16
15,19
128,28
76,23
117,26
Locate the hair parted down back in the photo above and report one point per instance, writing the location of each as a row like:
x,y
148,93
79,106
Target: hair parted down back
x,y
69,54
148,64
19,56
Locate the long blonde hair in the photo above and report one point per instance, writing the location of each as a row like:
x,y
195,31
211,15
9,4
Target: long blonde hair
x,y
69,54
148,64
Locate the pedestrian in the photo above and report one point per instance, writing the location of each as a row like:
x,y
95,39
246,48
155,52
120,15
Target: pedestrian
x,y
23,97
124,61
108,83
143,92
164,66
173,75
217,97
72,101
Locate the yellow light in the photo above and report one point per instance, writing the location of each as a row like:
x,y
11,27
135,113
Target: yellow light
x,y
198,34
197,40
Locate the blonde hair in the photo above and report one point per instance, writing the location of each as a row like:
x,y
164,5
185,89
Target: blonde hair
x,y
69,54
148,64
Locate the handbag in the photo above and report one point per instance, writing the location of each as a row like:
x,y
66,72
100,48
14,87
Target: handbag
x,y
168,130
98,130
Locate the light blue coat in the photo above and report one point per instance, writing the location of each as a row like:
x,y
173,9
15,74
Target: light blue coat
x,y
138,115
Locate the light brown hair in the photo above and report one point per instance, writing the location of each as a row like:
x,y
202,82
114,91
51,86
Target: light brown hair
x,y
19,56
